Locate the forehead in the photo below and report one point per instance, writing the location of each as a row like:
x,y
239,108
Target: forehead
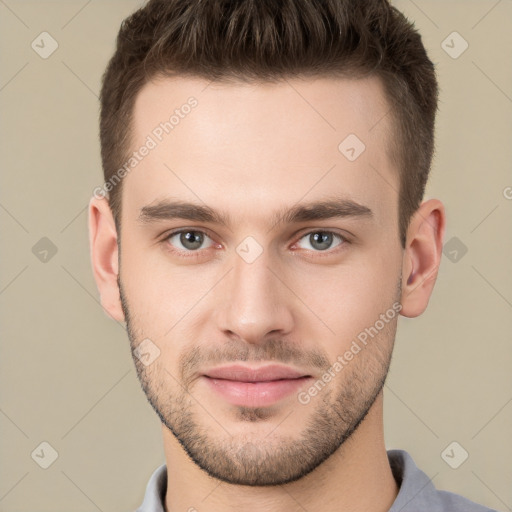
x,y
257,147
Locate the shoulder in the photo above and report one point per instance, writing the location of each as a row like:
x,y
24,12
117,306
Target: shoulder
x,y
456,502
417,493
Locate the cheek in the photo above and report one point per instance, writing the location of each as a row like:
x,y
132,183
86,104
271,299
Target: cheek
x,y
148,287
164,297
351,297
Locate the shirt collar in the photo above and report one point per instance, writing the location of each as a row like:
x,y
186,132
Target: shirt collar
x,y
415,487
155,491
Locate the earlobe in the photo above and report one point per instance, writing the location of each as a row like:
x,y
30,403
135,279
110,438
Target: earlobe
x,y
104,256
422,256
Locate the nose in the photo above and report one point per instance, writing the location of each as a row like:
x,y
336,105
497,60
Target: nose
x,y
255,304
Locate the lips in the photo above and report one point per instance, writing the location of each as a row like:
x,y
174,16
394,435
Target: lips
x,y
254,387
263,374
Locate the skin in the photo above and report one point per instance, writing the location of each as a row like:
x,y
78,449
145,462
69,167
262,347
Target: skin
x,y
249,150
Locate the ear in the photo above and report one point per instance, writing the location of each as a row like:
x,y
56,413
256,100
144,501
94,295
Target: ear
x,y
104,256
422,256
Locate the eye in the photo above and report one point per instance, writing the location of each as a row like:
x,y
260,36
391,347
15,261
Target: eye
x,y
191,241
188,240
321,241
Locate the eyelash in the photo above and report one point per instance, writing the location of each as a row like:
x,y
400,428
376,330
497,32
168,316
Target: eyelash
x,y
197,253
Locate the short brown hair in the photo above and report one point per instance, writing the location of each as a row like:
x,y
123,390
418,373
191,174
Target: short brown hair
x,y
269,40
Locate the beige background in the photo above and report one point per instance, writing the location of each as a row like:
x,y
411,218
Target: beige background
x,y
67,377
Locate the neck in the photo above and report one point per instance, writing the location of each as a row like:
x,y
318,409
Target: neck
x,y
356,477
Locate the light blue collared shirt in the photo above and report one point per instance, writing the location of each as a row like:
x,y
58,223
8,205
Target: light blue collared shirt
x,y
416,494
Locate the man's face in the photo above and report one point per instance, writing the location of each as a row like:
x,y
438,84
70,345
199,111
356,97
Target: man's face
x,y
257,291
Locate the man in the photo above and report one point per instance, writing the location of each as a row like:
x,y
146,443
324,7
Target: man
x,y
260,230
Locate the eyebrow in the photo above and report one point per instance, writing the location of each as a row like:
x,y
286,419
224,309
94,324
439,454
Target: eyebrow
x,y
329,208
